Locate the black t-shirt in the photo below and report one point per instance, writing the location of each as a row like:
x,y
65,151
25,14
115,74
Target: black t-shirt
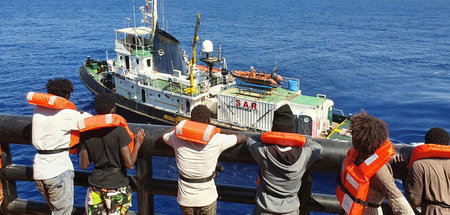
x,y
103,147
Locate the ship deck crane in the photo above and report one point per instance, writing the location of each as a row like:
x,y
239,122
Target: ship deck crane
x,y
193,89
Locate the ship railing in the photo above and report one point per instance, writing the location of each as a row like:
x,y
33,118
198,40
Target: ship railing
x,y
186,90
16,129
172,87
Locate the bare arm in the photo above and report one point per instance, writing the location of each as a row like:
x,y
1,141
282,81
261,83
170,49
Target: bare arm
x,y
240,136
84,159
398,165
130,158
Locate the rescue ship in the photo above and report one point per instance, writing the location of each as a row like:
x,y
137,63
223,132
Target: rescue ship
x,y
155,82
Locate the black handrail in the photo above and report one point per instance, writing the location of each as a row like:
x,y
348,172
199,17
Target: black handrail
x,y
17,129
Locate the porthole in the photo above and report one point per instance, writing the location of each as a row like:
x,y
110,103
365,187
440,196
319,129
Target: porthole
x,y
306,119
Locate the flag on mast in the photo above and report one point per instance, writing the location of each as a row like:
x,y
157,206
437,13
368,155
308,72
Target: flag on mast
x,y
146,5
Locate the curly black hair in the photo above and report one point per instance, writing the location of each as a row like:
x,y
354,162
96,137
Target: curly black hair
x,y
104,103
60,87
437,135
201,113
368,133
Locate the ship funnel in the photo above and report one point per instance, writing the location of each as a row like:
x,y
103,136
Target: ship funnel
x,y
207,46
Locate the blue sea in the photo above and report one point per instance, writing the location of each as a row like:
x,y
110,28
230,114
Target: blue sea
x,y
388,57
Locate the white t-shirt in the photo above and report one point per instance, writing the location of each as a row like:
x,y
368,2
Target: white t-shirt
x,y
197,161
51,130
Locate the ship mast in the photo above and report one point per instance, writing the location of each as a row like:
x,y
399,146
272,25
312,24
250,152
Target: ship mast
x,y
154,15
151,18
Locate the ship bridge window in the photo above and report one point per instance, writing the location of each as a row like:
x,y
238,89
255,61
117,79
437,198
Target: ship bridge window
x,y
137,61
149,63
121,57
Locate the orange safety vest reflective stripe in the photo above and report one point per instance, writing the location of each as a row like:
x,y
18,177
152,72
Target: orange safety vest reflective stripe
x,y
429,151
49,101
353,183
283,139
195,132
59,103
103,121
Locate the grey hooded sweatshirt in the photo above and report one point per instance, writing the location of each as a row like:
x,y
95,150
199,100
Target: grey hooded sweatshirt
x,y
280,183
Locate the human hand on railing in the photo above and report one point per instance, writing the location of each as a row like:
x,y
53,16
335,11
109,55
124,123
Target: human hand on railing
x,y
399,166
139,137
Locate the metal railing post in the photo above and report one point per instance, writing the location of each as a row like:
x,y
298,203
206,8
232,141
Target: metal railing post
x,y
305,192
9,186
144,174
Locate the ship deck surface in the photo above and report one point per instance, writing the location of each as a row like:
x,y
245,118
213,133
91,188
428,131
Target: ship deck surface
x,y
335,133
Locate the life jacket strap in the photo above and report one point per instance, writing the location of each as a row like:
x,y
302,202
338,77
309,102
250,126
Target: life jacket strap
x,y
109,169
441,204
357,200
197,180
54,151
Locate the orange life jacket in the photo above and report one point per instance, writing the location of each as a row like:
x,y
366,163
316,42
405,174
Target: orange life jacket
x,y
283,139
195,132
49,101
103,121
55,102
429,151
353,183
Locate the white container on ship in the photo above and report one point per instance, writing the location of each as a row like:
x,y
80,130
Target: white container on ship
x,y
246,112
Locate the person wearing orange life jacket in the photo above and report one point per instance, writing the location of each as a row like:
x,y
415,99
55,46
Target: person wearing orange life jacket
x,y
106,141
428,180
283,157
53,126
197,147
366,176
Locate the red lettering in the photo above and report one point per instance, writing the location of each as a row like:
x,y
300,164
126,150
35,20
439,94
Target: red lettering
x,y
238,102
253,105
245,104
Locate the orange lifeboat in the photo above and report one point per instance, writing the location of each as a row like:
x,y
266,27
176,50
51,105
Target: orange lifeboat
x,y
261,78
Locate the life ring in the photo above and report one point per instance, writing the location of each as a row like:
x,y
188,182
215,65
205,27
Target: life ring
x,y
161,52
